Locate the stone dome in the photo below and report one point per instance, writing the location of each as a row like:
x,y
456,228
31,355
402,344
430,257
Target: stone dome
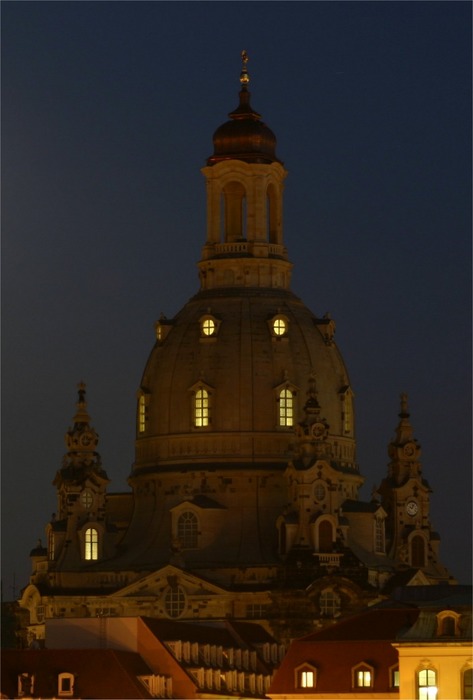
x,y
243,367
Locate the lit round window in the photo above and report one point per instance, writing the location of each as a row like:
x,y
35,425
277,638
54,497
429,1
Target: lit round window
x,y
86,499
174,601
208,326
319,492
279,326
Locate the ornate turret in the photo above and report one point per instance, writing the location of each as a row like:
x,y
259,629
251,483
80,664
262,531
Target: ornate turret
x,y
82,439
404,450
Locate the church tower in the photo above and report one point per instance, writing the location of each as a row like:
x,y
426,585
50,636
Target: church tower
x,y
405,495
245,488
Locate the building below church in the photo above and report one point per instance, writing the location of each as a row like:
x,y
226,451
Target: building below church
x,y
244,494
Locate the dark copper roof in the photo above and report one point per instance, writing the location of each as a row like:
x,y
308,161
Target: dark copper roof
x,y
245,137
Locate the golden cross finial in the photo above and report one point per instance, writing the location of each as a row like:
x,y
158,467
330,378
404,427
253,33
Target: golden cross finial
x,y
244,77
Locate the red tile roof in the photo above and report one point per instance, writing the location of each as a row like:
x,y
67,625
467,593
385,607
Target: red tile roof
x,y
335,651
99,673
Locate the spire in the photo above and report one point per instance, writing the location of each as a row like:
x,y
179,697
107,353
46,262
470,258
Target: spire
x,y
404,432
244,109
81,439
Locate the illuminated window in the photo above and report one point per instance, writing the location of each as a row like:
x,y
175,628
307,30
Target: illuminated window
x,y
208,326
174,601
202,408
394,674
330,603
142,414
91,544
187,530
427,684
363,679
305,676
86,499
307,679
286,408
279,326
379,542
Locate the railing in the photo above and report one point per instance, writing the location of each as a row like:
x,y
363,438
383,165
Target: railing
x,y
328,558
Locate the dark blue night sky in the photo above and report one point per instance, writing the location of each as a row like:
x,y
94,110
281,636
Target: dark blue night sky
x,y
108,110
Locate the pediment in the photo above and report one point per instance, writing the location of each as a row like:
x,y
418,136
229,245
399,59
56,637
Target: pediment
x,y
419,579
154,583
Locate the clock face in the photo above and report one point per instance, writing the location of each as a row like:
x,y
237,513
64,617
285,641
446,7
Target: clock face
x,y
409,449
412,507
318,430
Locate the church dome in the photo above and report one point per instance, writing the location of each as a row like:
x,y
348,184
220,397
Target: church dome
x,y
227,381
245,375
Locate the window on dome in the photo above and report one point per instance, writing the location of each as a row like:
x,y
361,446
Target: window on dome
x,y
208,326
427,684
187,530
91,541
201,408
286,408
279,326
142,414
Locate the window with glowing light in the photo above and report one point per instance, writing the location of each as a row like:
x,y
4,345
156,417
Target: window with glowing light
x,y
208,327
427,684
201,408
279,326
142,413
305,676
91,542
286,408
363,675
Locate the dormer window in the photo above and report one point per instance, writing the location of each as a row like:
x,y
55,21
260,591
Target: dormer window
x,y
305,676
279,326
363,676
447,623
209,326
65,685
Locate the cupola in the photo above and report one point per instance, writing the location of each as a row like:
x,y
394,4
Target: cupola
x,y
245,137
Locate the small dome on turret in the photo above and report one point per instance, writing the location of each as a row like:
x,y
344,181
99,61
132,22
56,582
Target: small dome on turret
x,y
245,137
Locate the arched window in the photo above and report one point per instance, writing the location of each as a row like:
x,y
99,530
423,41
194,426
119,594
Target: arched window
x,y
202,408
427,684
91,541
272,214
174,601
286,408
234,203
187,530
447,628
325,536
418,551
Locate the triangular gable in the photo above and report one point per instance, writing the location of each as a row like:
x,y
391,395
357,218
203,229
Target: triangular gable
x,y
152,584
418,579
